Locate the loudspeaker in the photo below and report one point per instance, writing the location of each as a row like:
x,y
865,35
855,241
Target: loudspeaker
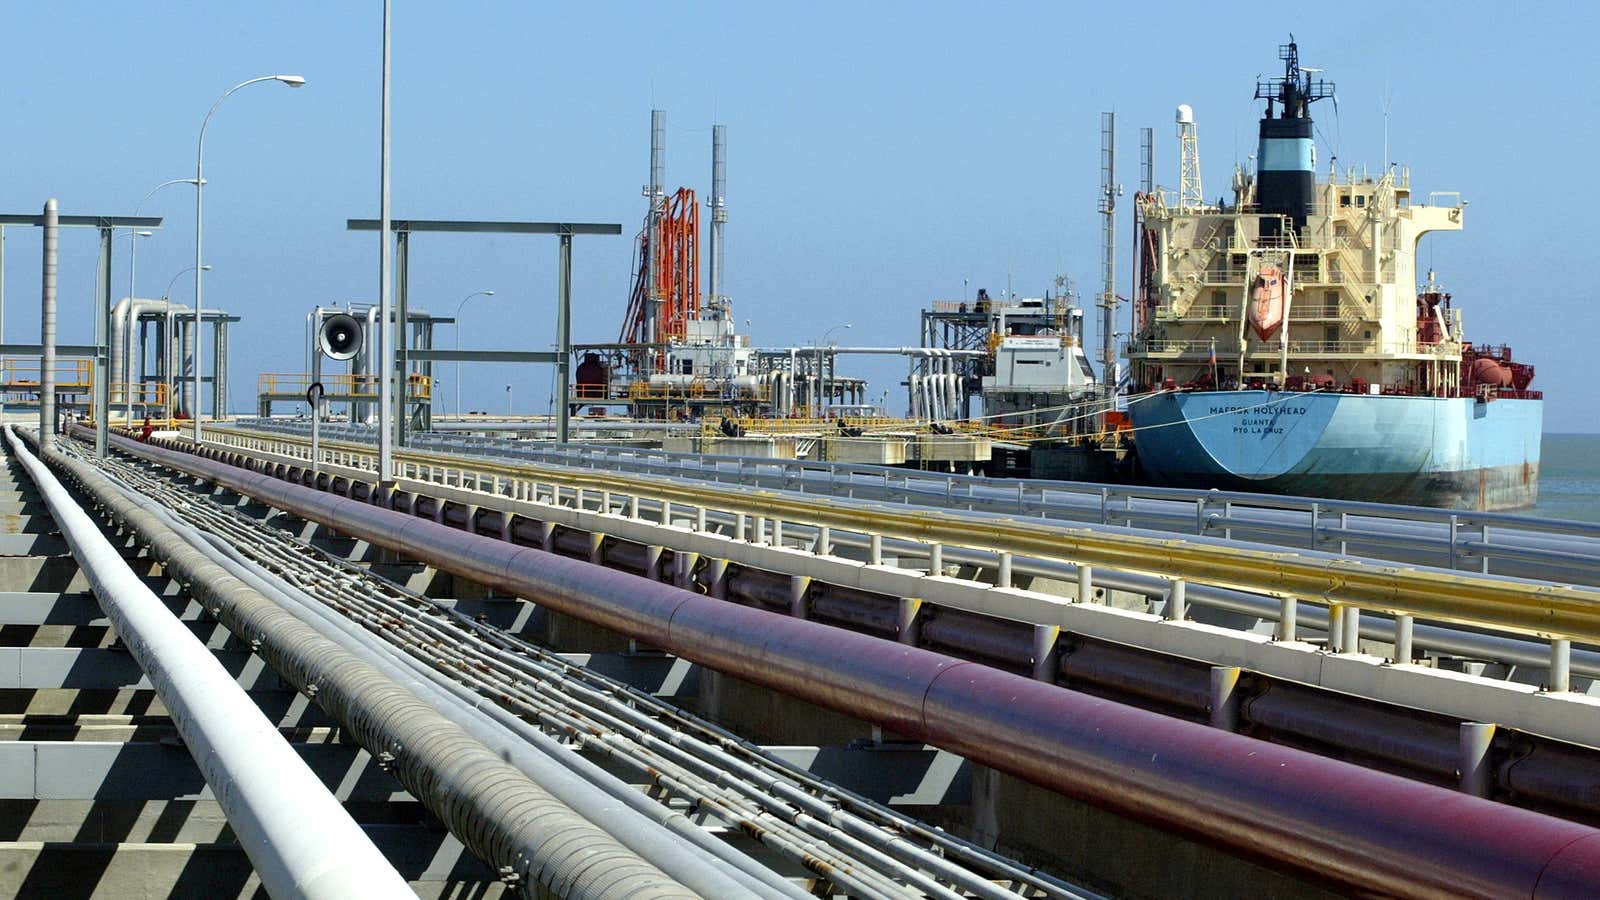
x,y
340,336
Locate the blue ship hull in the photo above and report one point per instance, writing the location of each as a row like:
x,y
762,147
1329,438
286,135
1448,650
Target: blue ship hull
x,y
1455,453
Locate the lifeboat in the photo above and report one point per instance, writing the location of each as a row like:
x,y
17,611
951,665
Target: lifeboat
x,y
1266,301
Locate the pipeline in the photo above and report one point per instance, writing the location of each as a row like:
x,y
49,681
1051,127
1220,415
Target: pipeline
x,y
594,794
537,844
1331,822
298,837
636,731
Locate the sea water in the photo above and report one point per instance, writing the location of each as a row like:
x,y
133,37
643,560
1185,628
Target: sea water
x,y
1569,477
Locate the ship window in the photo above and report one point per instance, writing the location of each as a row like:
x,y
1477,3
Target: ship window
x,y
1369,334
1361,199
1344,199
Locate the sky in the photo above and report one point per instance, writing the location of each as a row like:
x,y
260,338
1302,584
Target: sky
x,y
880,155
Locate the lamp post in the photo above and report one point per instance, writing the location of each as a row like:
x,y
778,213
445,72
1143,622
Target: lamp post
x,y
133,256
821,384
293,81
508,402
458,341
166,339
133,250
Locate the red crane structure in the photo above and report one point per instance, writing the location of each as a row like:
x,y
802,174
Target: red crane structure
x,y
666,290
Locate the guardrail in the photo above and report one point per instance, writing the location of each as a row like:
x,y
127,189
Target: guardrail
x,y
1560,613
295,384
1508,543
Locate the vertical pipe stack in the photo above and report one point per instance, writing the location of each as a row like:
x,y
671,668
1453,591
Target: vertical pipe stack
x,y
719,207
191,366
652,232
47,360
385,355
219,370
564,339
1108,240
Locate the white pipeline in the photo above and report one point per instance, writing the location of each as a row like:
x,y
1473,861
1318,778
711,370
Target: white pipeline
x,y
299,839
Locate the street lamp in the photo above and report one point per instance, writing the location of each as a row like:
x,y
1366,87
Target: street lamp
x,y
293,81
818,381
133,254
508,402
166,339
133,257
458,341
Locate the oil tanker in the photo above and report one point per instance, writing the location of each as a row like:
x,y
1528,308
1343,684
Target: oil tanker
x,y
1283,343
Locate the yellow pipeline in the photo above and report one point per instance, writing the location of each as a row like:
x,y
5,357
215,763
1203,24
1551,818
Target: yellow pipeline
x,y
1462,597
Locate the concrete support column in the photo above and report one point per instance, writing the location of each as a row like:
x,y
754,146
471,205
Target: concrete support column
x,y
1560,665
1404,629
1225,697
1045,657
1477,775
798,585
1177,602
717,579
906,620
685,564
1350,642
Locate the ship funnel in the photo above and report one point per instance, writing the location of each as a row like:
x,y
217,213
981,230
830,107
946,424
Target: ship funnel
x,y
1286,156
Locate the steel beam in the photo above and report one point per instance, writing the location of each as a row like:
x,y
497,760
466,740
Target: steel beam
x,y
507,356
400,226
84,221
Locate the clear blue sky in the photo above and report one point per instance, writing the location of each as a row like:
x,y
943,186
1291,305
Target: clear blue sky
x,y
879,153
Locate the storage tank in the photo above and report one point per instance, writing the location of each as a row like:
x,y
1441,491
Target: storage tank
x,y
1487,371
591,378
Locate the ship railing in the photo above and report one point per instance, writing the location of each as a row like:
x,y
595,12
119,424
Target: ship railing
x,y
1207,311
1333,346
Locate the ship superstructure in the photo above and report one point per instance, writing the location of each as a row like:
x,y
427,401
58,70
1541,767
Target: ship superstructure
x,y
1267,326
1026,362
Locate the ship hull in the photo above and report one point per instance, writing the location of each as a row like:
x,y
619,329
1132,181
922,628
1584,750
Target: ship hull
x,y
1454,453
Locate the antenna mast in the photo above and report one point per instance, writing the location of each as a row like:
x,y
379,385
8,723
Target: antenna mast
x,y
1190,192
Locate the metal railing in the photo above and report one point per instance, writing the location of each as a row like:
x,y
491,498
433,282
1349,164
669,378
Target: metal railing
x,y
75,374
1347,585
419,387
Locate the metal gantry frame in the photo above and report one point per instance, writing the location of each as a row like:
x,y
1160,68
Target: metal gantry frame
x,y
100,350
404,228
